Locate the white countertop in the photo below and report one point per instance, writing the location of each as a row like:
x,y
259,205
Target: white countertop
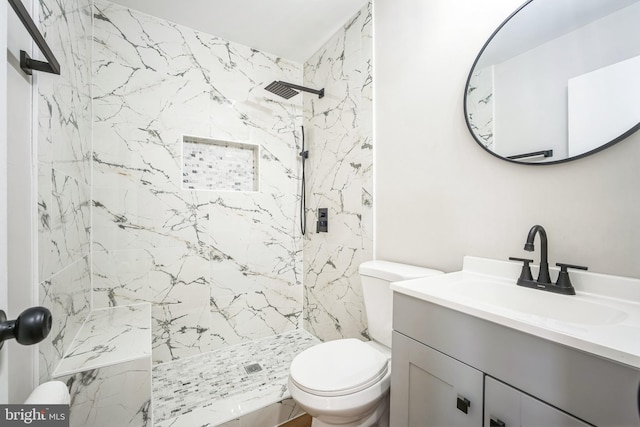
x,y
603,318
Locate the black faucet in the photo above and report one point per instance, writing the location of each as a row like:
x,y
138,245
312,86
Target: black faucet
x,y
563,285
543,276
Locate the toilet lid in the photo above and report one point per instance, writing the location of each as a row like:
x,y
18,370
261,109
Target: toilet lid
x,y
337,368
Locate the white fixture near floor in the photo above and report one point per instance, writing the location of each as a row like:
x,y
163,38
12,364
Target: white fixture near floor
x,y
346,382
49,393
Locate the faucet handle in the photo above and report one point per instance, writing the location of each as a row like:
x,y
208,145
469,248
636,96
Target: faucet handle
x,y
525,260
563,277
563,266
525,274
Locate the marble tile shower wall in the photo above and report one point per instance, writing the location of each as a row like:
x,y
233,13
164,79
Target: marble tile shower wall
x,y
480,105
64,178
219,268
340,177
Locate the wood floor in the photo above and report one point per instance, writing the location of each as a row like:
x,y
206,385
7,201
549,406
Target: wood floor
x,y
301,421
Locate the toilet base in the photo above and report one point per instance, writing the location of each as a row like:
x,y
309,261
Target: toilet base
x,y
379,417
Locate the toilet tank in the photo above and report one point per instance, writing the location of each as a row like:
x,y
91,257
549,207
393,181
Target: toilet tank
x,y
376,276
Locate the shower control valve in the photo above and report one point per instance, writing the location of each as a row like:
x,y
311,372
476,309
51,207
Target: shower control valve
x,y
323,220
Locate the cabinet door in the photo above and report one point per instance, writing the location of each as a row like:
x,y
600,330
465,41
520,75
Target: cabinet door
x,y
431,389
507,407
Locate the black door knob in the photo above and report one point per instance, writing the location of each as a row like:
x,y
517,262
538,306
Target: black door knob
x,y
31,327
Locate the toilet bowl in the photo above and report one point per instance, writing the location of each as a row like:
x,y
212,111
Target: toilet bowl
x,y
342,382
49,393
346,382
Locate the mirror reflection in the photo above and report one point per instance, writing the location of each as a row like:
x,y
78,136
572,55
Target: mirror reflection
x,y
557,81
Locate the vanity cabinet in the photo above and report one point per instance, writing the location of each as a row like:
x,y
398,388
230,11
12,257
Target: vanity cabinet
x,y
432,389
441,355
505,406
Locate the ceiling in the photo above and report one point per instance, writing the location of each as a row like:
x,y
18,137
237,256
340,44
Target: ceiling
x,y
291,29
542,21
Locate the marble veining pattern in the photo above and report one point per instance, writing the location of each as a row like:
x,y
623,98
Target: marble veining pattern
x,y
480,110
64,178
339,129
272,415
219,268
259,412
117,395
66,295
109,336
214,387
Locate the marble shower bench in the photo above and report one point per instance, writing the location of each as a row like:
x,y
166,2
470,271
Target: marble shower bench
x,y
108,368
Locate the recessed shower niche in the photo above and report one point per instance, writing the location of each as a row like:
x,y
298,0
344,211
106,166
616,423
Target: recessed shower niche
x,y
210,164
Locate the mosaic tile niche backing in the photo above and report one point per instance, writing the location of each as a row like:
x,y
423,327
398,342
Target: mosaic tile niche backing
x,y
209,164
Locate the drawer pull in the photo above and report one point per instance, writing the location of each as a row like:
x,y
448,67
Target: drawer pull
x,y
495,422
463,404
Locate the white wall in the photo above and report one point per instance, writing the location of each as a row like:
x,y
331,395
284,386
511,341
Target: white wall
x,y
557,61
610,94
439,196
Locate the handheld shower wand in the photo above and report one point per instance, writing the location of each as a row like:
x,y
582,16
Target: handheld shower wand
x,y
303,193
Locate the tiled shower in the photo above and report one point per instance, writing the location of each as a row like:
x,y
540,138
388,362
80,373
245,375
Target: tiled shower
x,y
217,267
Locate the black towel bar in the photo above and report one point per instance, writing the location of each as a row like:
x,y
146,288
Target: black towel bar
x,y
26,63
543,153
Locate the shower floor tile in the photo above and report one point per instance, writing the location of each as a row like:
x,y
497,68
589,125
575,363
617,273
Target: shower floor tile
x,y
212,388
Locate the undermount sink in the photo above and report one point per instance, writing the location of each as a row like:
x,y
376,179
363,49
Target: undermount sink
x,y
603,318
541,306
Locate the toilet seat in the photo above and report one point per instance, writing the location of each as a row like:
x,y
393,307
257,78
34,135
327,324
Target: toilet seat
x,y
338,368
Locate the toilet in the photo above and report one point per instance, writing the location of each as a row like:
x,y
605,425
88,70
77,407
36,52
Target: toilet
x,y
346,382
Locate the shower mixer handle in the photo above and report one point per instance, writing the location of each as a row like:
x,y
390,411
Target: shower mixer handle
x,y
322,226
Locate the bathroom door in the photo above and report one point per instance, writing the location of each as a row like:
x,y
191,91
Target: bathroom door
x,y
17,202
4,369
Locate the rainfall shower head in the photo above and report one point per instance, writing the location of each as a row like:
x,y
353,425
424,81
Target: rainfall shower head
x,y
286,90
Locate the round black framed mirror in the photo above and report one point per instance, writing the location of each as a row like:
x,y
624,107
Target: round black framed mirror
x,y
557,81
